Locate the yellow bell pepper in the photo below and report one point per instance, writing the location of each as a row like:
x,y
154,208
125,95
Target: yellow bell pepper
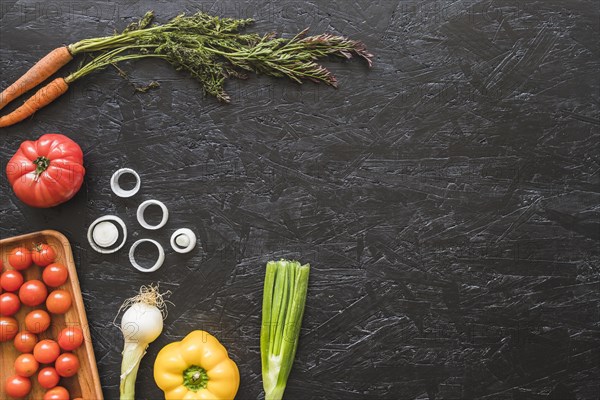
x,y
197,368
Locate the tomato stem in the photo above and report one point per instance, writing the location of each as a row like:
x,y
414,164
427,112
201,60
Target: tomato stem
x,y
42,163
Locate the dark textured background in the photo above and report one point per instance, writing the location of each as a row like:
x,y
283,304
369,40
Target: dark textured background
x,y
448,198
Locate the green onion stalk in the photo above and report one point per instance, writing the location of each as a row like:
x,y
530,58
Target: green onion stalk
x,y
286,284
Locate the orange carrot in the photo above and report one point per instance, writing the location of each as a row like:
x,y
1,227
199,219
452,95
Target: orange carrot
x,y
37,74
41,98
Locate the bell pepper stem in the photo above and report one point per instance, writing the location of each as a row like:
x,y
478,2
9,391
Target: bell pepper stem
x,y
195,378
132,355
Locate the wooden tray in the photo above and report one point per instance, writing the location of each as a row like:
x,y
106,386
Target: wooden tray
x,y
86,383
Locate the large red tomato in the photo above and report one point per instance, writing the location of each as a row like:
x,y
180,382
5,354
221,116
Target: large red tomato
x,y
46,172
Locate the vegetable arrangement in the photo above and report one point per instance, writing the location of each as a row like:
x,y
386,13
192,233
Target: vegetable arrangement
x,y
197,367
33,337
210,48
50,171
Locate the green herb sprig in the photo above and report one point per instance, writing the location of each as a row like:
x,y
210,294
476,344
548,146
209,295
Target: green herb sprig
x,y
212,49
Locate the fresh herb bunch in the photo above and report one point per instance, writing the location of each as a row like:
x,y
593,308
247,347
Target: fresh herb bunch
x,y
212,49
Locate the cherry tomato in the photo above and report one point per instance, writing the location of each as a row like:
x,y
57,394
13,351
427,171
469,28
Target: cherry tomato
x,y
58,302
46,351
33,293
26,365
25,341
20,258
43,254
48,377
55,275
57,393
17,386
67,365
9,304
37,321
11,281
70,338
8,328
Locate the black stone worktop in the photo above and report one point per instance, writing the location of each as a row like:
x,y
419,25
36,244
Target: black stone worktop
x,y
448,199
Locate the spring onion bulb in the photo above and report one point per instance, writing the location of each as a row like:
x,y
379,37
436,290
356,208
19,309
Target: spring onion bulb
x,y
141,324
286,283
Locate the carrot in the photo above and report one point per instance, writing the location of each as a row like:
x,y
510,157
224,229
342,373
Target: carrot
x,y
59,86
41,98
37,74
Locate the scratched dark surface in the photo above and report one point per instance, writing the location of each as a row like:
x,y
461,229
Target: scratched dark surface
x,y
448,199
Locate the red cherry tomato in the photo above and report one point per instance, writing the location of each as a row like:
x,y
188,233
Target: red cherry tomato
x,y
43,254
70,338
48,377
67,365
26,365
58,302
9,304
57,393
11,281
37,321
55,275
8,328
20,258
33,293
25,341
17,386
46,351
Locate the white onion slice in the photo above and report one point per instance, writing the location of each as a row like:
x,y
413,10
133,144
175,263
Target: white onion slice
x,y
157,264
183,240
116,187
101,236
142,208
